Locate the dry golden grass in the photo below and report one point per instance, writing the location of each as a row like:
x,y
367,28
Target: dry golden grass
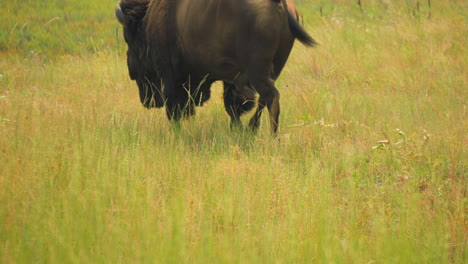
x,y
369,165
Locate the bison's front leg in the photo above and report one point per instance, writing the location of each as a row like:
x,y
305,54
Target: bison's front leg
x,y
201,93
178,103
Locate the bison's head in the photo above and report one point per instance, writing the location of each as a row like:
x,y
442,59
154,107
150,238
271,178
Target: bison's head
x,y
131,14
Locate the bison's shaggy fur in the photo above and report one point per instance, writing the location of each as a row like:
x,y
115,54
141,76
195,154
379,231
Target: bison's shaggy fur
x,y
178,48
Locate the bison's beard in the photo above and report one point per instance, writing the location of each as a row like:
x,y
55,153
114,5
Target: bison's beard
x,y
150,94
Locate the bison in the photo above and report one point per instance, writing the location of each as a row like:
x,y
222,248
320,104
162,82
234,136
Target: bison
x,y
178,48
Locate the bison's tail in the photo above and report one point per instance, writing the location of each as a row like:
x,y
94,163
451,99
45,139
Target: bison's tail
x,y
298,32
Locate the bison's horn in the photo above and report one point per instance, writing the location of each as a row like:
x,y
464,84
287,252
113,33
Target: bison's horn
x,y
119,14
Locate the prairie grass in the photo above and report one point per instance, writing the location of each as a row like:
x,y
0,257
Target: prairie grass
x,y
369,165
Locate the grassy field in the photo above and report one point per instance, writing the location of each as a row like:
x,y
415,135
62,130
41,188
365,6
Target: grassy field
x,y
370,165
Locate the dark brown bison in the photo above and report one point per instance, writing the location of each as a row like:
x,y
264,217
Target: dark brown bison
x,y
178,48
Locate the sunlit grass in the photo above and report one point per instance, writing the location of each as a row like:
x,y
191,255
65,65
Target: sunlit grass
x,y
369,165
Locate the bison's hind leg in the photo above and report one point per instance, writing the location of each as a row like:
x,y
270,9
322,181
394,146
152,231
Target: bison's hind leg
x,y
237,102
260,78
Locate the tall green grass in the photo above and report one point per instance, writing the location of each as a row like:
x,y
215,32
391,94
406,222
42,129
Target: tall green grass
x,y
369,165
54,27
